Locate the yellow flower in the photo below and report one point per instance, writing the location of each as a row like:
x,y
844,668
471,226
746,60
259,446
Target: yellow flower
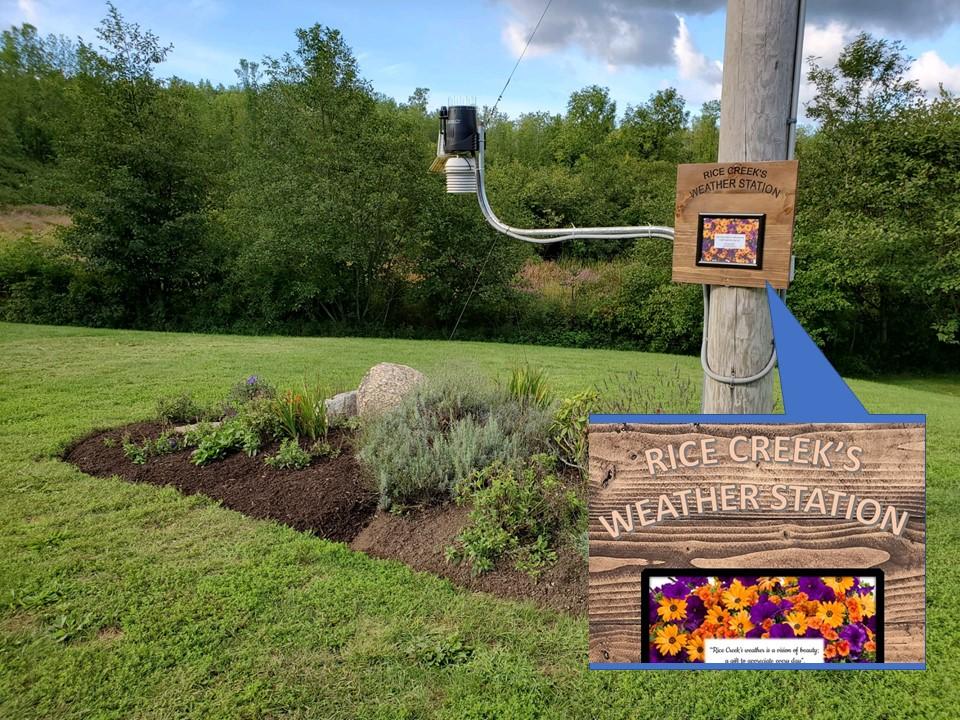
x,y
868,605
839,585
740,623
797,622
671,609
767,584
695,648
831,613
717,616
670,640
736,597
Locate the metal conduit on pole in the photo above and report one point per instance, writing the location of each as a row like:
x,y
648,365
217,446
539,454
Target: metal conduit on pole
x,y
757,122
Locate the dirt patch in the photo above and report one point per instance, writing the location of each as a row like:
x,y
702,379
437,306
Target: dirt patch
x,y
419,539
330,498
31,219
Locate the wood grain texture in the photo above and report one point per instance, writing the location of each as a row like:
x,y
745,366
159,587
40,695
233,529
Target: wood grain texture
x,y
892,473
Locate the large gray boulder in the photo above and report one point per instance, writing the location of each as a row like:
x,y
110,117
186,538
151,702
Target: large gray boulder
x,y
342,405
384,387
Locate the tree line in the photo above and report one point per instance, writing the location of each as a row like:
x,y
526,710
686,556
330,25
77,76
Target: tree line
x,y
297,201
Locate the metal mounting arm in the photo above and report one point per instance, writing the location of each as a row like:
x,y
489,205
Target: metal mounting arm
x,y
554,235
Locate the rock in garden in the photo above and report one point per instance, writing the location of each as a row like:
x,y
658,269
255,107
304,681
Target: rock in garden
x,y
384,386
342,405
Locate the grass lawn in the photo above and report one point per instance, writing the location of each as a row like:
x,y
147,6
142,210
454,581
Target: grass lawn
x,y
118,600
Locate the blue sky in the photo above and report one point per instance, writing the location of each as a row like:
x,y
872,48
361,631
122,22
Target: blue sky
x,y
634,47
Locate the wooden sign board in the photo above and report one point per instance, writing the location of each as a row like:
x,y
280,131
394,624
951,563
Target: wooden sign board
x,y
734,223
708,498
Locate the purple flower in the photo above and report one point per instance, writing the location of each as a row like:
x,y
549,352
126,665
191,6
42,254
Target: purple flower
x,y
871,623
815,589
675,590
652,606
856,636
781,630
747,580
252,380
812,633
763,610
696,613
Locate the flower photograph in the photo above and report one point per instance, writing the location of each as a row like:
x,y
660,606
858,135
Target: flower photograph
x,y
730,240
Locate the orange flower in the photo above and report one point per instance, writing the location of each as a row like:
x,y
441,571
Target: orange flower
x,y
829,651
854,610
814,622
843,648
831,613
740,623
767,623
828,632
767,584
870,646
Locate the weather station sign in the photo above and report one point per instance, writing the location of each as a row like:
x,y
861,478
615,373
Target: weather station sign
x,y
734,223
760,541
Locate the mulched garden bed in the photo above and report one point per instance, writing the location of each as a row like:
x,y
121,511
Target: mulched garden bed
x,y
333,499
330,498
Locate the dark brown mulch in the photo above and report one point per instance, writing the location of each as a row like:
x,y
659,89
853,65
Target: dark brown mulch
x,y
330,498
419,540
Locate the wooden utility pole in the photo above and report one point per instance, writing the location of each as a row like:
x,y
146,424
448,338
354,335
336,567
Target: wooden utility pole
x,y
756,105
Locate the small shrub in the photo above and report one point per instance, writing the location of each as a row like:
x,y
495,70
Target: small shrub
x,y
569,429
290,456
133,451
214,443
519,513
440,652
302,412
252,388
259,415
529,386
441,433
180,408
109,442
322,449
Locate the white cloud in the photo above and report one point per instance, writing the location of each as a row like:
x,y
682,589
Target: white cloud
x,y
824,43
930,71
700,77
29,10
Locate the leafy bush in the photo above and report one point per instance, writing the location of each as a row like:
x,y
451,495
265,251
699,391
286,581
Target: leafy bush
x,y
529,386
260,416
290,456
133,451
302,412
165,442
441,433
569,429
214,443
246,391
520,513
180,408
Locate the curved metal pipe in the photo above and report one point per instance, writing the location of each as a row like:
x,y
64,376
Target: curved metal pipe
x,y
549,236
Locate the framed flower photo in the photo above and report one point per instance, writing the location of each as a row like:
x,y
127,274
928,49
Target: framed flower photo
x,y
731,241
774,616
